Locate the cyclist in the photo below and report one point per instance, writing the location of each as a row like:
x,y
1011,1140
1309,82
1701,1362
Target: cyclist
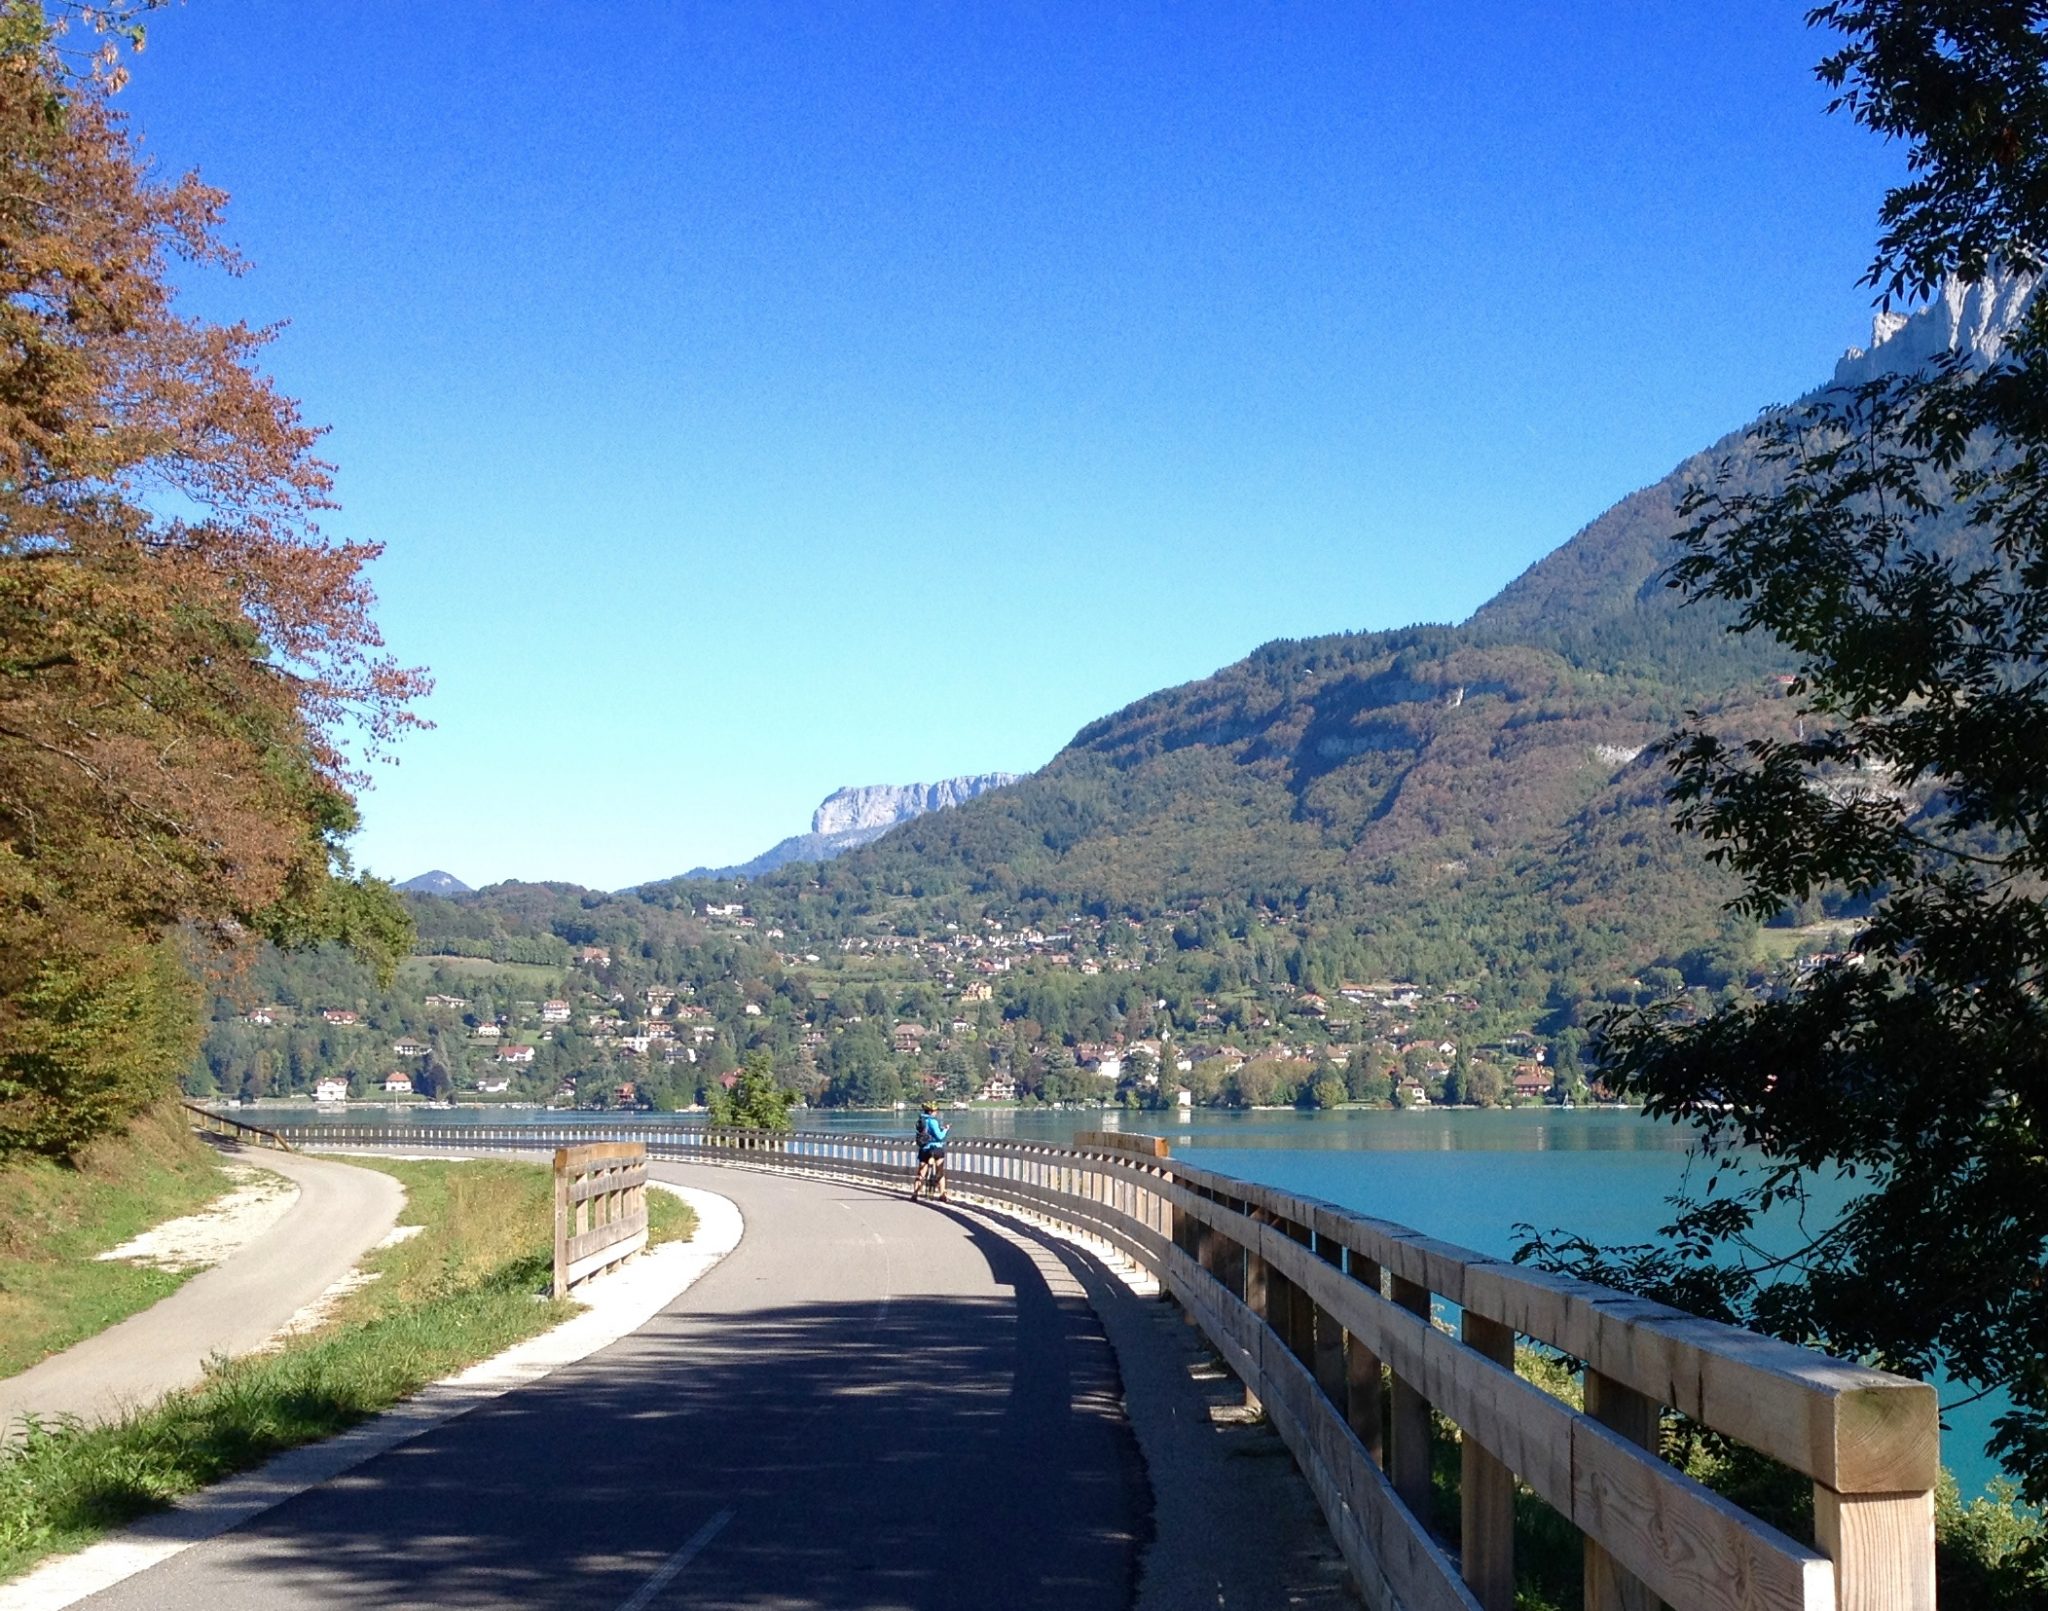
x,y
931,1153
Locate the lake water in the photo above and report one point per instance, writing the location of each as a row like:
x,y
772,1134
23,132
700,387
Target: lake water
x,y
1466,1176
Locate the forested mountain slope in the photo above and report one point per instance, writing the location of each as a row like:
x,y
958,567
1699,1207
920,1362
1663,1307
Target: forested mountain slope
x,y
1463,798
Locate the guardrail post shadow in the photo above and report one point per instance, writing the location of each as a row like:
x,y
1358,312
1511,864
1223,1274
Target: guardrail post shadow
x,y
1486,1488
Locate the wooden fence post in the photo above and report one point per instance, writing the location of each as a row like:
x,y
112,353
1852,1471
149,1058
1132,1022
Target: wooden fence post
x,y
1364,1390
1609,1586
1486,1488
1882,1546
561,1222
1329,1336
1410,1427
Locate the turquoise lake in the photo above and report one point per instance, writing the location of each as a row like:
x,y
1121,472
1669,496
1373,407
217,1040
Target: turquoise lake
x,y
1466,1176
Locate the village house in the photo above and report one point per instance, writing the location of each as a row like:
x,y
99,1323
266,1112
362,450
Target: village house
x,y
263,1016
1531,1081
340,1015
594,956
331,1090
998,1088
514,1054
659,997
752,1009
410,1048
907,1037
448,1003
397,1084
486,1032
980,990
494,1084
554,1012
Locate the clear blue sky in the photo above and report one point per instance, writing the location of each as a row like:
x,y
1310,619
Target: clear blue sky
x,y
759,399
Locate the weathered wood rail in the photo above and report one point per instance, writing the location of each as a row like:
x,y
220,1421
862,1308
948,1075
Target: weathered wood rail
x,y
600,1209
1337,1323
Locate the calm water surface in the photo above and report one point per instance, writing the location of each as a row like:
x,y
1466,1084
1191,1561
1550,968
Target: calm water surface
x,y
1467,1177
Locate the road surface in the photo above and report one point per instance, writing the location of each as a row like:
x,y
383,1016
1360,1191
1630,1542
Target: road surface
x,y
341,1213
870,1404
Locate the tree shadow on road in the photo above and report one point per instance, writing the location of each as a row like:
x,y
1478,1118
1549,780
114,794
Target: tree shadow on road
x,y
928,1451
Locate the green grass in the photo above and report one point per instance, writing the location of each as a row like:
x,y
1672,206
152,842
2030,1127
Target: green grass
x,y
466,1287
54,1217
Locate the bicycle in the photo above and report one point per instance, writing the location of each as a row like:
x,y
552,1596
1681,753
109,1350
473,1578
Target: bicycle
x,y
931,1173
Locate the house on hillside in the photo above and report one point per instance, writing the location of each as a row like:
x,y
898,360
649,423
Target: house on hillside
x,y
331,1090
554,1012
907,1037
513,1054
494,1084
998,1088
410,1048
1531,1081
594,956
340,1015
486,1032
262,1016
397,1084
447,1003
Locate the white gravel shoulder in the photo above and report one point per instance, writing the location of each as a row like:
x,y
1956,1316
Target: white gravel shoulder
x,y
259,1198
615,1304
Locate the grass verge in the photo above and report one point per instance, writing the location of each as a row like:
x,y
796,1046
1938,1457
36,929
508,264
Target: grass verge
x,y
464,1287
54,1217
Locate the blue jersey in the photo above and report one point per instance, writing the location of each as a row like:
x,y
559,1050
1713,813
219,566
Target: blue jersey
x,y
931,1134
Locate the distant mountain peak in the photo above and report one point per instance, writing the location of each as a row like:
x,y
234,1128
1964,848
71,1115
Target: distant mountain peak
x,y
1973,319
883,805
848,818
435,883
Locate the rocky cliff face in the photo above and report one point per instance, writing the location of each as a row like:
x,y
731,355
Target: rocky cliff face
x,y
848,818
1970,319
883,805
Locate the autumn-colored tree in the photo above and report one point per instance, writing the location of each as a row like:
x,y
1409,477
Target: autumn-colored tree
x,y
180,648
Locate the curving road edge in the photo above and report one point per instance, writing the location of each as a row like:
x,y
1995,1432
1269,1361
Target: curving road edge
x,y
618,1304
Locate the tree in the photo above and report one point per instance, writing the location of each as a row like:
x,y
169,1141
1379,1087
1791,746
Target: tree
x,y
1898,544
755,1101
180,650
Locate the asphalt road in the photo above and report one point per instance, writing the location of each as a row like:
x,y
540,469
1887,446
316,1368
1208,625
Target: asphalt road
x,y
341,1213
870,1404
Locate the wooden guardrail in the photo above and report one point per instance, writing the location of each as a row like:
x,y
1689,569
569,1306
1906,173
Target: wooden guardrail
x,y
600,1209
234,1129
1354,1333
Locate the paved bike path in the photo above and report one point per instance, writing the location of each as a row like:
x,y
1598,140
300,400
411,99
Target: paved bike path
x,y
870,1404
341,1213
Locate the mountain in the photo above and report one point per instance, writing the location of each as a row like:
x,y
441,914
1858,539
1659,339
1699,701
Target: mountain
x,y
1444,801
435,883
848,818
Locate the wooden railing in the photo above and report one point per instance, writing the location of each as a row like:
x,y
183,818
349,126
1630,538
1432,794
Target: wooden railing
x,y
1337,1324
600,1209
234,1129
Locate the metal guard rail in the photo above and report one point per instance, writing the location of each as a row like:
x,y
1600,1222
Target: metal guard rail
x,y
1327,1317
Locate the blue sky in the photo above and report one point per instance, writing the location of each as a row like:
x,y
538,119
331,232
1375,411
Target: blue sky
x,y
760,399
